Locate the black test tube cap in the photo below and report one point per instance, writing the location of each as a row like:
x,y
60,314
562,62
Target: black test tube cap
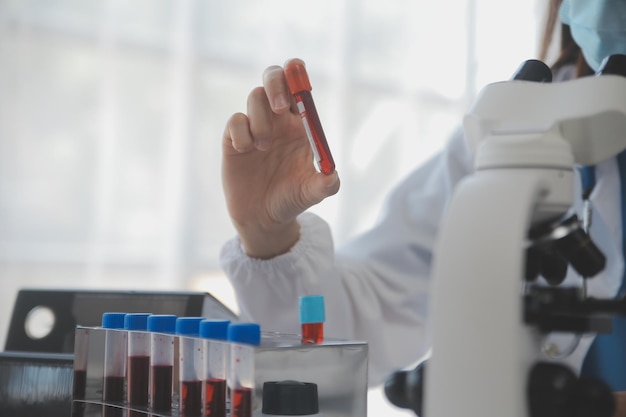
x,y
533,70
290,398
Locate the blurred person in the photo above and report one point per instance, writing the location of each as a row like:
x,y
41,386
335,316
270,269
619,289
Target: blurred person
x,y
376,286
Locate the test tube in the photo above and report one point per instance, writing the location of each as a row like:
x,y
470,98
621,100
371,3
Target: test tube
x,y
312,317
300,87
81,358
138,375
114,363
215,366
190,365
243,338
162,328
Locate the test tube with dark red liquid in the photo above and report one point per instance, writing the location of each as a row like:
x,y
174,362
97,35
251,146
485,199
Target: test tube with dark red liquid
x,y
243,337
300,88
215,366
114,364
162,328
81,358
190,366
138,373
312,317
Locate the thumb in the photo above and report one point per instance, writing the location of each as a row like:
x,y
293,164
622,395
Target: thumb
x,y
323,186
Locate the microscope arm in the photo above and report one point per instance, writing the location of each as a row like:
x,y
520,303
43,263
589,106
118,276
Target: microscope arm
x,y
482,350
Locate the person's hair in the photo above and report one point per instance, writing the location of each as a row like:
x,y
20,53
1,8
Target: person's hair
x,y
569,51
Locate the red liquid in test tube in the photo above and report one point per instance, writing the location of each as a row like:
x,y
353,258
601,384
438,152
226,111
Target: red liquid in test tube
x,y
79,384
312,333
114,389
215,333
81,359
312,317
161,392
190,358
114,364
215,398
138,372
191,398
245,336
138,380
242,402
300,88
162,328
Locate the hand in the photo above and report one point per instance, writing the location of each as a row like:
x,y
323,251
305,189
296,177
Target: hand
x,y
267,170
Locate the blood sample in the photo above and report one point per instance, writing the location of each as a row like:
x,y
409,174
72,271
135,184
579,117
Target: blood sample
x,y
190,365
81,357
161,387
300,87
191,398
242,402
79,384
162,328
215,364
243,337
215,397
138,360
114,363
312,317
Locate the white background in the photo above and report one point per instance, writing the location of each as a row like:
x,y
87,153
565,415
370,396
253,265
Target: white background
x,y
111,115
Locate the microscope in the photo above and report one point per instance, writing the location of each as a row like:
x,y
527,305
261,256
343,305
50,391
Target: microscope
x,y
507,224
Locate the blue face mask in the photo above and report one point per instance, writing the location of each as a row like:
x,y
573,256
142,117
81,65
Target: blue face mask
x,y
597,26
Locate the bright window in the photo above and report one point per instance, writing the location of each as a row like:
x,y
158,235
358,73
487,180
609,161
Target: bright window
x,y
111,115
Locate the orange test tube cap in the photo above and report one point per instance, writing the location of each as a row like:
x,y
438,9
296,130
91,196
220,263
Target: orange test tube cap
x,y
297,78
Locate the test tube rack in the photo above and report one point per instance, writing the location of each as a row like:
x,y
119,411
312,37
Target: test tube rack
x,y
337,367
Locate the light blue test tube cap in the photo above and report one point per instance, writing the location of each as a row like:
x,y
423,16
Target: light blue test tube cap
x,y
312,309
188,326
113,320
247,333
214,329
136,321
162,323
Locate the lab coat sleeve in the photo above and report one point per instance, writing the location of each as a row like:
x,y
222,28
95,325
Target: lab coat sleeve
x,y
376,287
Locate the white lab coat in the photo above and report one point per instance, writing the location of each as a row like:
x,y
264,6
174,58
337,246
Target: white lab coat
x,y
377,286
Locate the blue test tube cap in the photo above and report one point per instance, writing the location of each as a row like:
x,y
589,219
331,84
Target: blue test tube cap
x,y
113,320
136,321
214,329
162,323
246,333
188,326
312,309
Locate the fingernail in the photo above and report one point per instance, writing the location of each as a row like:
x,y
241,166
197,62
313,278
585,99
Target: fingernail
x,y
280,102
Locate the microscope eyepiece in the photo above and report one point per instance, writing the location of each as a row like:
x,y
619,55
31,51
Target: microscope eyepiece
x,y
533,70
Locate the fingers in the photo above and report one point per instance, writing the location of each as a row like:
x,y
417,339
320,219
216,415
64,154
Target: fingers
x,y
245,132
276,89
261,118
237,134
